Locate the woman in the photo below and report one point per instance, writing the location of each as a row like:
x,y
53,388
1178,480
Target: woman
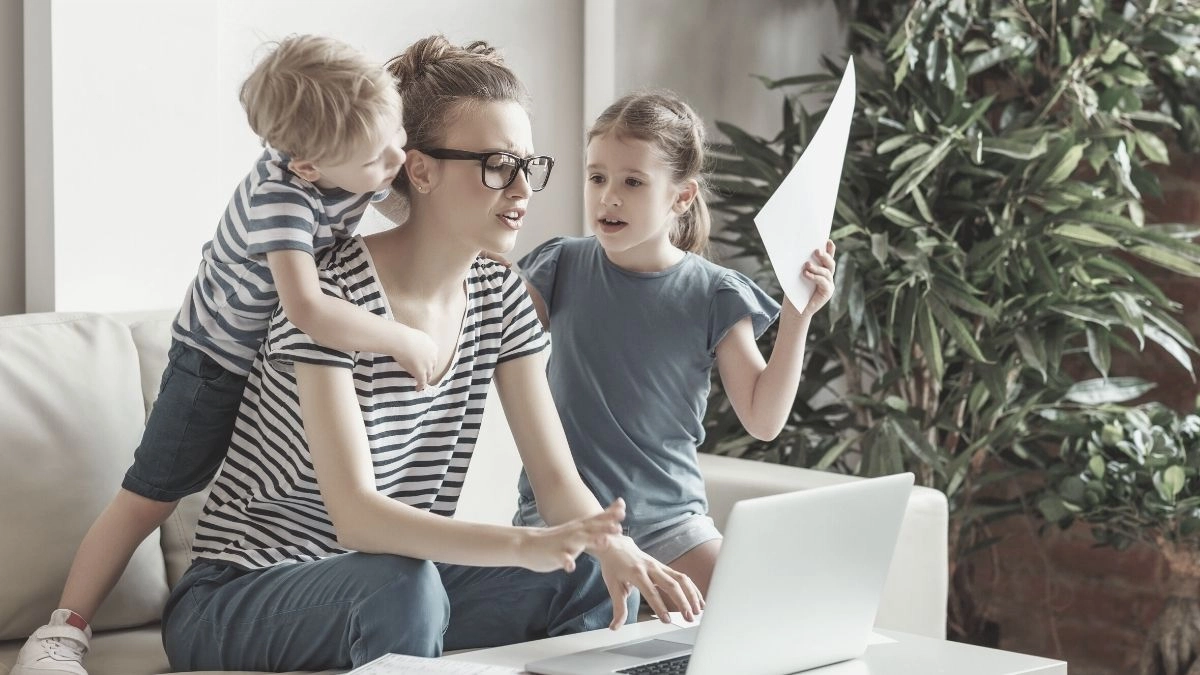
x,y
326,541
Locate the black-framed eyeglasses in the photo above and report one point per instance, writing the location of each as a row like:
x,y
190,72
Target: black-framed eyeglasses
x,y
499,169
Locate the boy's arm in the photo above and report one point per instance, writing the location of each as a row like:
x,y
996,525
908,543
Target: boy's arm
x,y
336,323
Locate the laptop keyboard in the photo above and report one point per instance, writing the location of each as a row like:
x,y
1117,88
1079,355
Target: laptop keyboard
x,y
675,666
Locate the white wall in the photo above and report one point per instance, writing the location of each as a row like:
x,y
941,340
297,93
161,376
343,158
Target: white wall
x,y
12,162
146,139
144,97
707,50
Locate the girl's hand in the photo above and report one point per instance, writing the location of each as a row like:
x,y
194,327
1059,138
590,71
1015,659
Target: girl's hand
x,y
625,566
820,271
545,549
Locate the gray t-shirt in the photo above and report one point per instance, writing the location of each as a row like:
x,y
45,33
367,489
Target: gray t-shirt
x,y
631,357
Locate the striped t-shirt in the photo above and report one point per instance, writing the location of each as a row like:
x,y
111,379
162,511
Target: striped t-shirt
x,y
265,507
228,305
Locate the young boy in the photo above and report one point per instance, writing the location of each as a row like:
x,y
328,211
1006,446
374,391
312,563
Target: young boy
x,y
331,124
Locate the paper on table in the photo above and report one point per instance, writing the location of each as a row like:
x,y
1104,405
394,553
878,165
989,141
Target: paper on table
x,y
796,220
399,664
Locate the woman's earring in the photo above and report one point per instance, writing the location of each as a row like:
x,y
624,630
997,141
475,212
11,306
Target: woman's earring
x,y
422,189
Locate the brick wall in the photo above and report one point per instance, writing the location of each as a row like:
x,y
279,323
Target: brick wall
x,y
1056,594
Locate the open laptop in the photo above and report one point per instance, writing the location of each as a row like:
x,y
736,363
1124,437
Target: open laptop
x,y
796,586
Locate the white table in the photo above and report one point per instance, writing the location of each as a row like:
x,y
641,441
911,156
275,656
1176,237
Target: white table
x,y
895,654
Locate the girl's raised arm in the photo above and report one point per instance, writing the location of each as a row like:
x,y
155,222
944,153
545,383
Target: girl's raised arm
x,y
762,392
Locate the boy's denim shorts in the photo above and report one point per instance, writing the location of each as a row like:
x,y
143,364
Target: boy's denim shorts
x,y
187,434
664,541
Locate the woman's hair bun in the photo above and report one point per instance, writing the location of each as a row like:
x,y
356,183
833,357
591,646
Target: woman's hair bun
x,y
417,59
426,54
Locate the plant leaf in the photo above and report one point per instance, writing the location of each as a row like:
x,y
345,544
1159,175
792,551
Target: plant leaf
x,y
1085,235
955,327
1167,259
1099,350
1172,347
1110,390
1152,147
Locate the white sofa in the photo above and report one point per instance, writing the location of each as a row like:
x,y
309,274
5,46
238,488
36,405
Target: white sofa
x,y
74,393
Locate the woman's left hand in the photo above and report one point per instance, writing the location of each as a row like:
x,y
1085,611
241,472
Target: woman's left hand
x,y
820,271
625,566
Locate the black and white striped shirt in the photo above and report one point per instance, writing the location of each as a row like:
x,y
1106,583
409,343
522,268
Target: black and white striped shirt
x,y
265,507
227,307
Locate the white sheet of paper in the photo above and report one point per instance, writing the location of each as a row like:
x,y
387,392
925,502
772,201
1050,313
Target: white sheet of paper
x,y
796,220
399,664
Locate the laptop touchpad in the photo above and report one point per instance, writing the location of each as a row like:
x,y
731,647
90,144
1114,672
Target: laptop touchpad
x,y
648,649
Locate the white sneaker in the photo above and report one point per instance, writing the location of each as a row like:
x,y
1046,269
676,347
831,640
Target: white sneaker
x,y
54,649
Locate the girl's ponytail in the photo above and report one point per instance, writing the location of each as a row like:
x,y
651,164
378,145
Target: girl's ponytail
x,y
692,230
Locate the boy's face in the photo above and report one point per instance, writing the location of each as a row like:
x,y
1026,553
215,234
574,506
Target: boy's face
x,y
371,165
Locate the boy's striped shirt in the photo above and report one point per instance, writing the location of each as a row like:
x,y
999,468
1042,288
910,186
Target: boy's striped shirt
x,y
227,307
265,507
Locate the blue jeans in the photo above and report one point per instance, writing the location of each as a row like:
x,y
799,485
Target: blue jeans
x,y
347,610
187,434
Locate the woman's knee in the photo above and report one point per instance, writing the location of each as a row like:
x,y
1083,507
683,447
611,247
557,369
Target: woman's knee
x,y
406,614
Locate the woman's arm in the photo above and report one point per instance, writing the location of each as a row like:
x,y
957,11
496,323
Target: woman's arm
x,y
529,407
365,520
334,322
762,392
562,495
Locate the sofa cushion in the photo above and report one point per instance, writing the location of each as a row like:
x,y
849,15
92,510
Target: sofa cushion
x,y
73,414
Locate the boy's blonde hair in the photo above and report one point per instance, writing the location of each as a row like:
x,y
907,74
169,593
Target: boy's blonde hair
x,y
665,121
317,99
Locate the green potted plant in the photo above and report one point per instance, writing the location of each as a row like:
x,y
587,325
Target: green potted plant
x,y
990,211
1133,474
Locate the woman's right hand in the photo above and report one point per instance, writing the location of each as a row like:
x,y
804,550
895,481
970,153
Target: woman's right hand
x,y
546,549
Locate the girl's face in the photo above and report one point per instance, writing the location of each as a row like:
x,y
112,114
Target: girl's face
x,y
631,196
487,219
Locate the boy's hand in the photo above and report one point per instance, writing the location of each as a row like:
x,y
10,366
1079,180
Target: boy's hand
x,y
497,257
820,271
417,354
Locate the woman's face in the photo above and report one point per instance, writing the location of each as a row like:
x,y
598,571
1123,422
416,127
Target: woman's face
x,y
486,218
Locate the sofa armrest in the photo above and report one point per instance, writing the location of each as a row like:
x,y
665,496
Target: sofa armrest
x,y
914,596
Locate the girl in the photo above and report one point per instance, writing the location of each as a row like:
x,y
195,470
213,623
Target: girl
x,y
639,318
327,540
